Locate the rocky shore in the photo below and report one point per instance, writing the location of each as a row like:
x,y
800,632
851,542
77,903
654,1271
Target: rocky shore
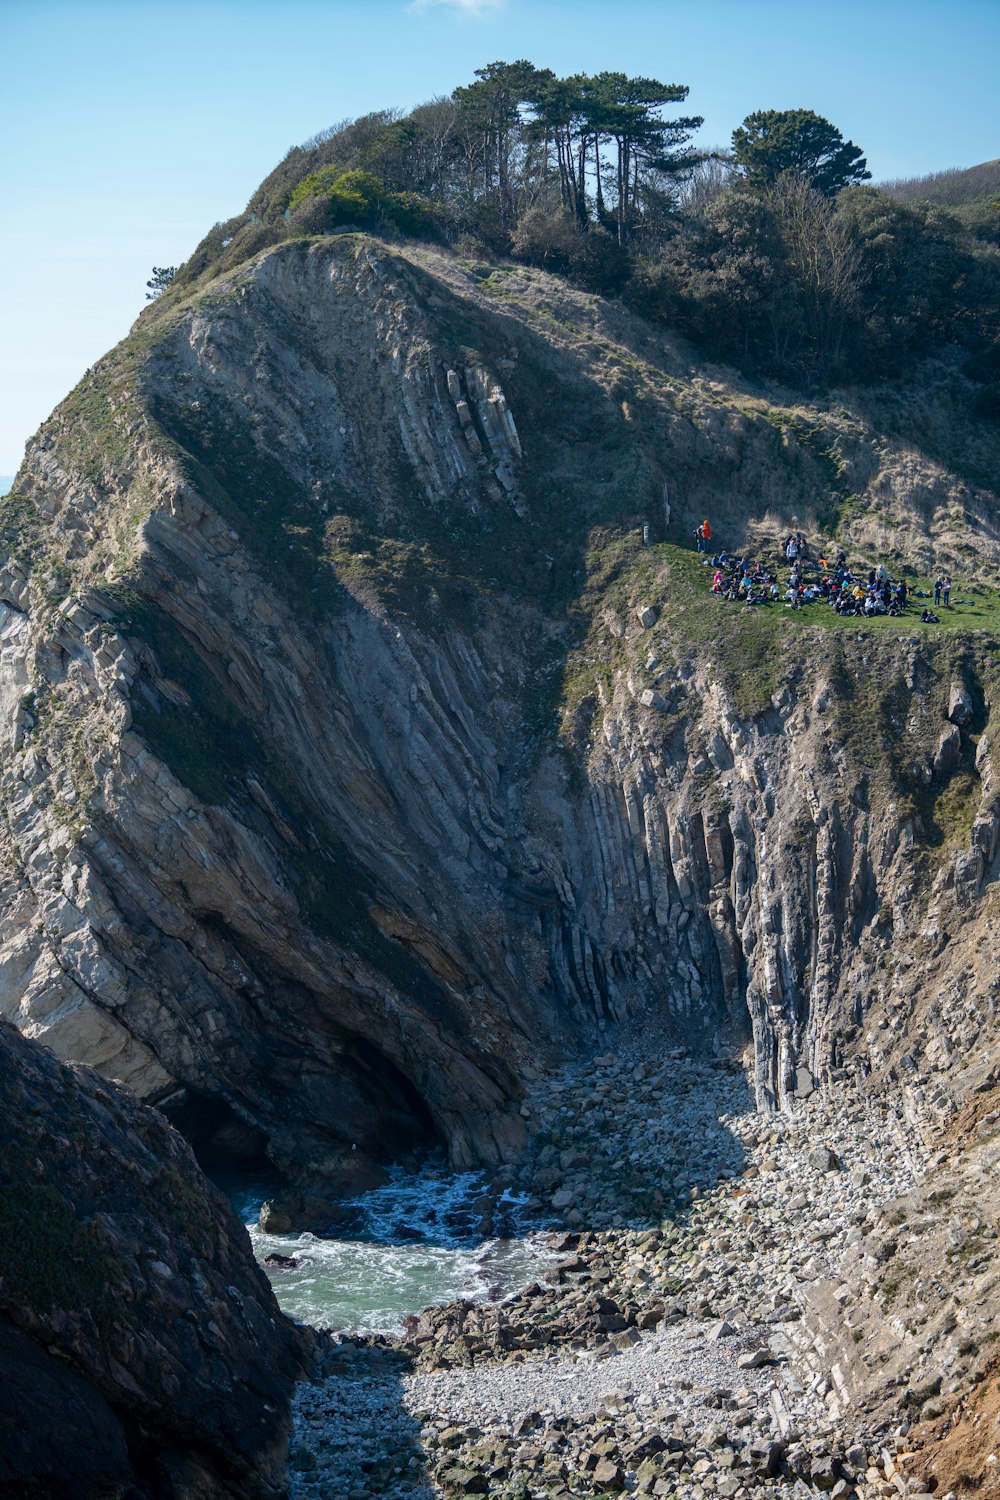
x,y
661,1356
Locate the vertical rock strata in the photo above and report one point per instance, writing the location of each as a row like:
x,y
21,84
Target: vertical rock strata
x,y
305,834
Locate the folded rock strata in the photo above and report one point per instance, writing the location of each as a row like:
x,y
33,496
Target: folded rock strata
x,y
358,757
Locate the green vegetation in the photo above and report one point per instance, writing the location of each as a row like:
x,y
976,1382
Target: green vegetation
x,y
328,197
972,194
775,256
159,281
773,141
252,490
19,525
886,726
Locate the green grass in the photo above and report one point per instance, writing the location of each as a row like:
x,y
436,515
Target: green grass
x,y
979,609
887,726
745,648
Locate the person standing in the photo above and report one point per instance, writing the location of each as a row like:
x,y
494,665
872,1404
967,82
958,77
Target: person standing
x,y
938,584
946,591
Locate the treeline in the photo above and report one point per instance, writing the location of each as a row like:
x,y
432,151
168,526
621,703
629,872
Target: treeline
x,y
772,252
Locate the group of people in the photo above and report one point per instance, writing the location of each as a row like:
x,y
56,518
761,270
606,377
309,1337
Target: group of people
x,y
797,580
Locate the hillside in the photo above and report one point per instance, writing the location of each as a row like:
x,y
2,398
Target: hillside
x,y
216,515
969,194
953,189
364,763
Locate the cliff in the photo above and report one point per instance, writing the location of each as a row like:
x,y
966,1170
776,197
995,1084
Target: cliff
x,y
344,783
141,1349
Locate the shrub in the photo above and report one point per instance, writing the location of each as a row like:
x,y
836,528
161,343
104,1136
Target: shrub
x,y
328,198
590,257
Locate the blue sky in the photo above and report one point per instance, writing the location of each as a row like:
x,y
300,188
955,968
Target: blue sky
x,y
128,127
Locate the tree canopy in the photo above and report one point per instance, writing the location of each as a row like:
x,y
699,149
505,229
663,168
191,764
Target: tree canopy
x,y
774,255
160,280
773,141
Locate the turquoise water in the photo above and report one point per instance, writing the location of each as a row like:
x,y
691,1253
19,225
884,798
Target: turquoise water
x,y
413,1246
6,480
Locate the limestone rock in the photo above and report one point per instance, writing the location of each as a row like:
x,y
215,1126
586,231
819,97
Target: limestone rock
x,y
302,837
948,752
960,708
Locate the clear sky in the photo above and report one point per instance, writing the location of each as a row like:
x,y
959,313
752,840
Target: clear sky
x,y
128,127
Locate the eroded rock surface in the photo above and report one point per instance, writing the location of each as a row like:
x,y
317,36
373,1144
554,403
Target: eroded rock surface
x,y
142,1352
360,757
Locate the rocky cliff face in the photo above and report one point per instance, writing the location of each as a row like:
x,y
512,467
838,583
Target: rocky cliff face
x,y
141,1349
359,756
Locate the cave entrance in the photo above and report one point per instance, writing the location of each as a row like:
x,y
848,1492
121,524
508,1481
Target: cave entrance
x,y
221,1141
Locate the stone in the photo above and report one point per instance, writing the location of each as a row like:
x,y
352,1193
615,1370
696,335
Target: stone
x,y
463,1481
607,1475
960,708
823,1159
647,616
948,752
722,1330
824,1472
650,1445
766,1458
649,698
754,1360
89,1358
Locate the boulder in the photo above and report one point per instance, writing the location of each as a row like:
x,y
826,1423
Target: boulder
x,y
295,1213
137,1333
959,704
948,752
823,1159
766,1458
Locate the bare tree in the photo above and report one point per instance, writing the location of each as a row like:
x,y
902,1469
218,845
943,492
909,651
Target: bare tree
x,y
824,259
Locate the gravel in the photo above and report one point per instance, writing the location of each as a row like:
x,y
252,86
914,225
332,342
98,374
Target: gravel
x,y
694,1226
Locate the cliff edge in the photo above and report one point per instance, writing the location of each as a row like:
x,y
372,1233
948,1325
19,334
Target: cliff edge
x,y
360,757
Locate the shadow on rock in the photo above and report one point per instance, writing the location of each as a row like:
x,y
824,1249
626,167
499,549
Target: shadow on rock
x,y
354,1435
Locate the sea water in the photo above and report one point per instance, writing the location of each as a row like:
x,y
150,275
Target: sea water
x,y
412,1244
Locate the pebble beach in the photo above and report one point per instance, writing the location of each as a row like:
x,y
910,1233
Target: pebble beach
x,y
658,1355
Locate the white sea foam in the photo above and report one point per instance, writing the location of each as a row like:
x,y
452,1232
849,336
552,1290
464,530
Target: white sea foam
x,y
414,1245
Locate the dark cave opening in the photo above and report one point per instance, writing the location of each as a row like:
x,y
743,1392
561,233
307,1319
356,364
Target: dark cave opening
x,y
220,1140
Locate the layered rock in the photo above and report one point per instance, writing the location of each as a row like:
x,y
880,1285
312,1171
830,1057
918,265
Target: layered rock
x,y
142,1351
359,756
